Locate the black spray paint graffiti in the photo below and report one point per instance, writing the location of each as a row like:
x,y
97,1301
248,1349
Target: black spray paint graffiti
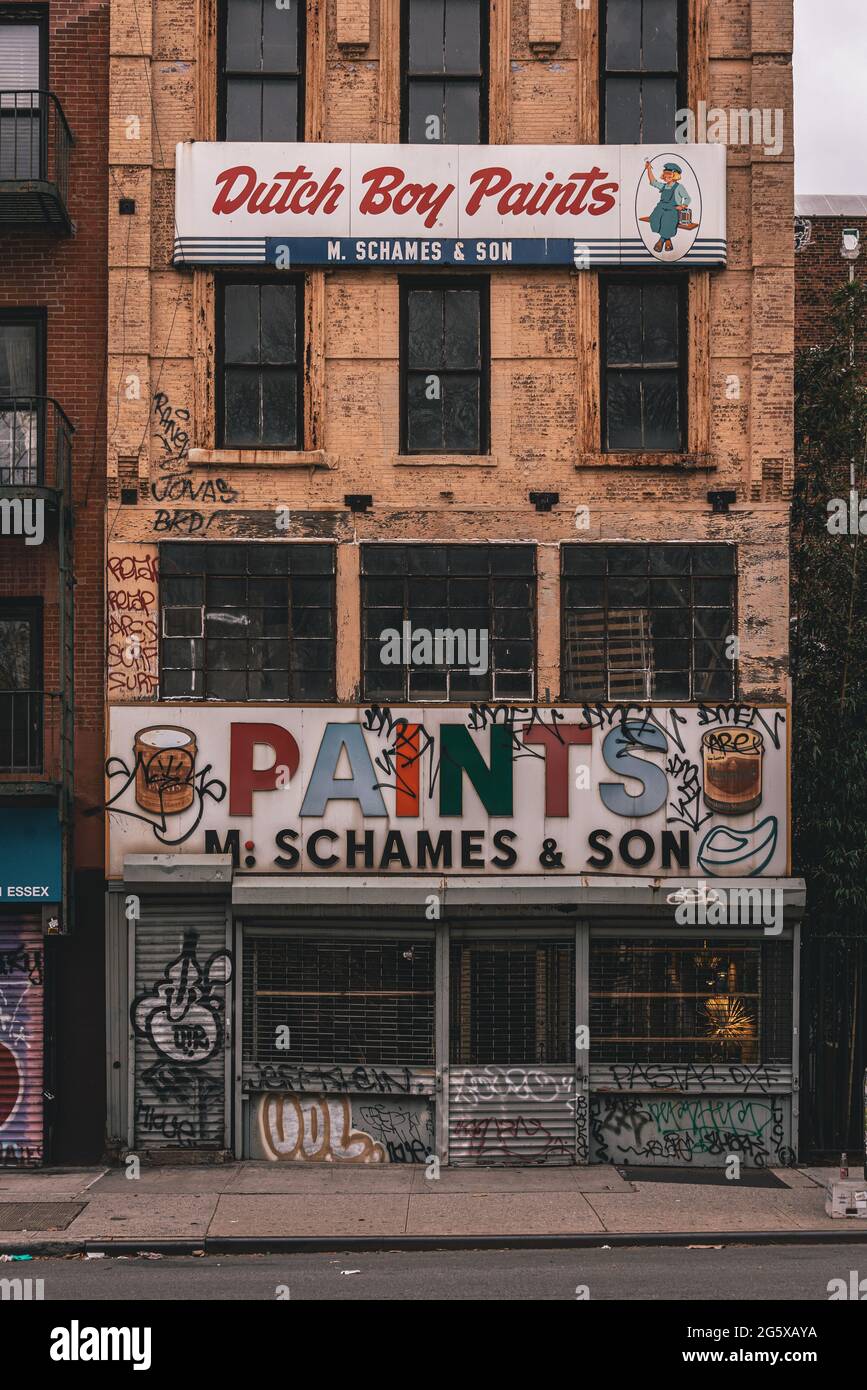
x,y
689,1129
404,1130
173,428
687,807
631,1076
182,1014
151,767
172,487
22,962
287,1076
182,1017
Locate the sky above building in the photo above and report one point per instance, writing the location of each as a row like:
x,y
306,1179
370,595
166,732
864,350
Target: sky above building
x,y
830,96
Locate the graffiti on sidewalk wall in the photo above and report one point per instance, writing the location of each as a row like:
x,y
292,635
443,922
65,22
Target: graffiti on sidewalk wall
x,y
21,1049
180,1020
331,1129
690,1129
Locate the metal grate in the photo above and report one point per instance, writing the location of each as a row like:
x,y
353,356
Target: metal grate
x,y
38,1216
665,1001
512,1002
341,1000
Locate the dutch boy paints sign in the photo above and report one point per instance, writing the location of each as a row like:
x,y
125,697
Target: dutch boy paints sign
x,y
654,791
491,205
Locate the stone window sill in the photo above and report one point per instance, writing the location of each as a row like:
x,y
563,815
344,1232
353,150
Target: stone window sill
x,y
689,462
444,460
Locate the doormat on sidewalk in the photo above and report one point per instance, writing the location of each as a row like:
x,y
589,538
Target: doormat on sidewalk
x,y
38,1216
701,1177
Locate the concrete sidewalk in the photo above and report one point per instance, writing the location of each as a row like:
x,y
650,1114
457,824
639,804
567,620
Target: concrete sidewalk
x,y
263,1204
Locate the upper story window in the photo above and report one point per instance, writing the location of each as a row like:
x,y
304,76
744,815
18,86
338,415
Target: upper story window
x,y
444,366
259,352
644,357
261,62
448,622
641,65
21,695
247,622
444,80
648,622
23,65
22,370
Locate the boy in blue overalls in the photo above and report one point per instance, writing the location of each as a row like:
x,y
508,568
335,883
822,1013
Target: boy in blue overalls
x,y
664,218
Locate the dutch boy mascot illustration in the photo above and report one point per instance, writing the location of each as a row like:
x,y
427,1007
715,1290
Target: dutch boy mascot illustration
x,y
671,214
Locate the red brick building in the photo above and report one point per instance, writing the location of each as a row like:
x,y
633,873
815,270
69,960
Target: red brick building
x,y
53,249
821,267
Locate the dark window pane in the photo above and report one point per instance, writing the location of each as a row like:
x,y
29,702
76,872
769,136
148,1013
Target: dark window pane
x,y
623,323
278,324
659,108
584,559
670,685
623,111
627,559
661,407
462,122
713,685
461,330
425,329
427,99
623,416
280,111
244,35
243,109
659,36
280,36
180,591
623,34
460,413
669,593
426,35
661,309
670,559
241,324
713,623
627,593
462,35
279,408
424,424
713,559
241,420
712,591
18,359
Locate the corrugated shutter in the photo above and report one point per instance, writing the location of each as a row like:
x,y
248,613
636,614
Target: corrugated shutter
x,y
178,1014
512,1115
22,1043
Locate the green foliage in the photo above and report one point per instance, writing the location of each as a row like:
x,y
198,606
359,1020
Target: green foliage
x,y
829,624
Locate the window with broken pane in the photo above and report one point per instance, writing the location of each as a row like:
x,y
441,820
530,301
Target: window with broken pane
x,y
456,589
445,357
444,72
644,341
261,70
259,350
642,61
648,622
247,622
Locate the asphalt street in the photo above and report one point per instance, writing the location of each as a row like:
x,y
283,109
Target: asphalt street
x,y
797,1273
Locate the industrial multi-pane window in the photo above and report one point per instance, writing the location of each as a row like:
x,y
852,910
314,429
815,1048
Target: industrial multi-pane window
x,y
644,339
259,350
261,70
642,45
648,622
448,622
444,366
512,1002
247,622
444,72
690,1001
343,1001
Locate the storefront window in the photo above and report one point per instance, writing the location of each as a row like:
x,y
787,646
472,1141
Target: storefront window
x,y
685,1001
337,1000
512,1002
648,622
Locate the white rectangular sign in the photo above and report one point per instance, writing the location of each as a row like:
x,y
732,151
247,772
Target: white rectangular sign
x,y
654,791
453,205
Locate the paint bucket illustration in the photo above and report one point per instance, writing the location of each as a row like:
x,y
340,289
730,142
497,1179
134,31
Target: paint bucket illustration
x,y
732,760
165,763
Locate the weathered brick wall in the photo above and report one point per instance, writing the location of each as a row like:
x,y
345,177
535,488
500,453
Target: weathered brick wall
x,y
160,328
66,278
820,272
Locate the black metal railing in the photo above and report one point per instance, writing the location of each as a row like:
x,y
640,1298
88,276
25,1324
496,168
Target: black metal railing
x,y
35,443
35,139
30,734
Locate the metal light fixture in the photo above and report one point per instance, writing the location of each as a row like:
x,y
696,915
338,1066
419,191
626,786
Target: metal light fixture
x,y
851,247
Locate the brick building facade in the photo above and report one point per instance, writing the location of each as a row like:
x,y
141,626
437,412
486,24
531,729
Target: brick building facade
x,y
579,448
53,296
821,268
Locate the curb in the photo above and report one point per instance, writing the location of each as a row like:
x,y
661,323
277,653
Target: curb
x,y
280,1245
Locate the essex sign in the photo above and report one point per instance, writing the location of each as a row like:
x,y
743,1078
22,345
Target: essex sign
x,y
449,205
653,791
